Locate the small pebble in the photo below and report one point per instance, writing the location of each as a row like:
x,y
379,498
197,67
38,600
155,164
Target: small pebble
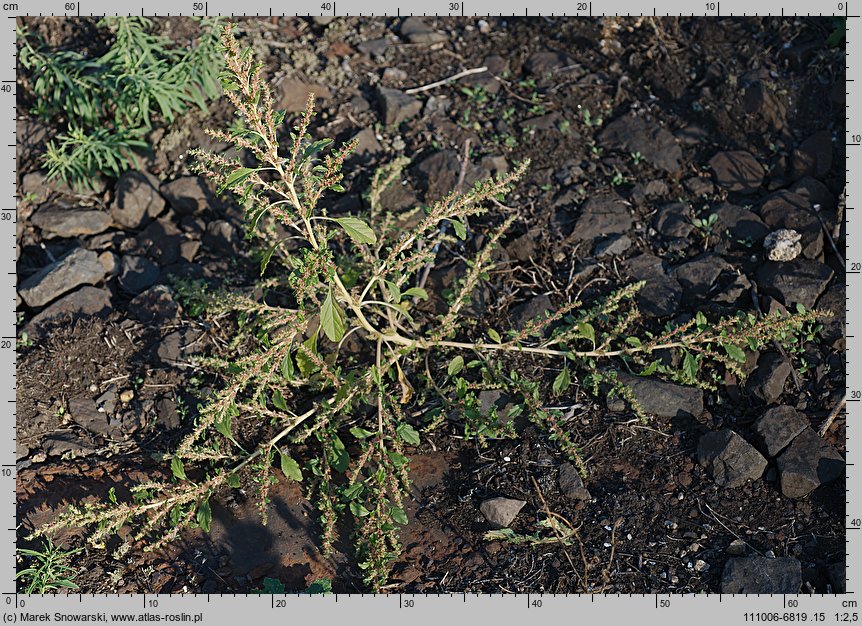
x,y
127,396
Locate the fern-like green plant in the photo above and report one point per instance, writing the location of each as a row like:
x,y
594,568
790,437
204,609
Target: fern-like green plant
x,y
356,412
106,105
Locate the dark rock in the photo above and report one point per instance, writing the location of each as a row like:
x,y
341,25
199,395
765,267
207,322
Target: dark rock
x,y
674,220
762,101
634,134
161,240
777,427
737,171
188,195
757,574
78,267
497,67
536,308
729,459
662,294
602,215
138,273
166,413
808,463
699,275
698,186
784,209
367,146
221,236
571,483
767,382
87,415
136,200
292,95
70,222
500,512
814,192
801,280
741,223
544,122
613,246
176,345
544,64
659,398
441,170
397,106
814,156
835,300
415,30
67,445
86,302
524,247
837,573
156,304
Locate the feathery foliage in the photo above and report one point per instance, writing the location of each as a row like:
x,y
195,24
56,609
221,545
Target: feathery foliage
x,y
357,412
107,104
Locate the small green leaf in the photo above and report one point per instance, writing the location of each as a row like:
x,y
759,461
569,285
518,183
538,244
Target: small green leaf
x,y
359,231
278,400
289,467
456,365
689,366
415,292
358,510
287,370
236,177
650,369
494,335
734,352
360,433
399,460
332,319
306,366
408,434
394,291
205,516
398,515
178,469
587,332
561,382
338,457
266,257
233,481
460,229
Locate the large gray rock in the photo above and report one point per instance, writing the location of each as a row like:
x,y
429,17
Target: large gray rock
x,y
415,30
729,459
767,382
138,273
808,463
188,195
662,294
136,200
698,275
737,171
801,280
777,427
70,222
500,512
635,135
756,574
660,398
86,302
396,106
79,267
602,215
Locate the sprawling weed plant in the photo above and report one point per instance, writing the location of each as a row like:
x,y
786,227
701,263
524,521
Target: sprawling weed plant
x,y
358,411
106,104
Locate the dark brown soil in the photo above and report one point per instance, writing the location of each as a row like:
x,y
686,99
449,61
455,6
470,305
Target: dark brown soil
x,y
657,522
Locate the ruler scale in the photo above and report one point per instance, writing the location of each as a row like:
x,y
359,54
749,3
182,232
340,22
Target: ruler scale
x,y
706,609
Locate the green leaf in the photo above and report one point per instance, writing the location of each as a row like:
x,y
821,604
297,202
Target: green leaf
x,y
266,257
689,366
408,434
332,319
494,335
650,369
289,467
338,457
178,469
734,352
306,366
358,510
460,229
287,370
360,433
415,292
561,382
278,400
587,332
236,177
205,516
233,481
398,515
394,291
456,365
359,231
399,460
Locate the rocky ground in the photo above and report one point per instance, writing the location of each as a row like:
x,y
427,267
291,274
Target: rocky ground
x,y
704,156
